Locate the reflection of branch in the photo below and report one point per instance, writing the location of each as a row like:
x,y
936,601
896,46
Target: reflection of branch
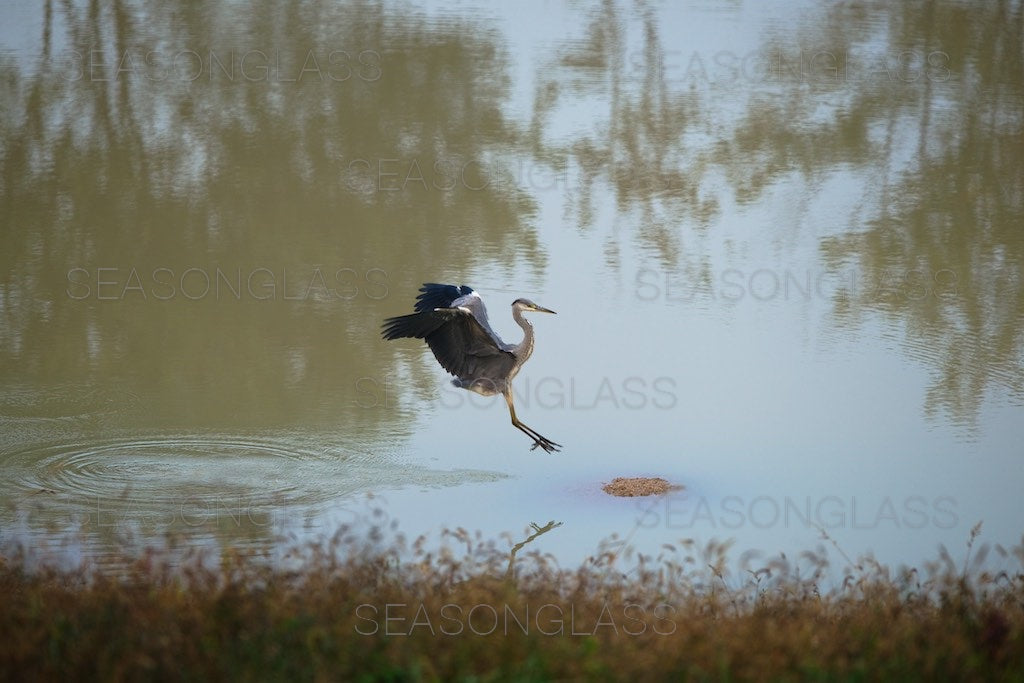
x,y
47,30
516,548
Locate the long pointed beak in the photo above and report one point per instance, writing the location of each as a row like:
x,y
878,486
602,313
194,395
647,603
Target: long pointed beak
x,y
541,309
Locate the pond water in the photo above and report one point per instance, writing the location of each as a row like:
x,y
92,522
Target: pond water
x,y
783,241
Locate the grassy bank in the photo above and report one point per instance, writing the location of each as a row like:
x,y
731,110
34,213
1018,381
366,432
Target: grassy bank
x,y
346,611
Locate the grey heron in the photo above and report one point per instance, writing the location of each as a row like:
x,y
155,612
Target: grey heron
x,y
453,321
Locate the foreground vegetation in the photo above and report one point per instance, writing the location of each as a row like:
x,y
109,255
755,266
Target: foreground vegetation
x,y
348,610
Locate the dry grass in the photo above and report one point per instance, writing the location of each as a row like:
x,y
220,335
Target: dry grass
x,y
639,486
348,610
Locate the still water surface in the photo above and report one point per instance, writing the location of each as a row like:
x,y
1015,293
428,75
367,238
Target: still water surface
x,y
784,243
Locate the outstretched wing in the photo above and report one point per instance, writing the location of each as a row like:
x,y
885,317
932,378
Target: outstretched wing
x,y
456,331
433,295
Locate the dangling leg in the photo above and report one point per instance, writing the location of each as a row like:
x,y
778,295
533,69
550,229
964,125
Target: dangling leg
x,y
538,440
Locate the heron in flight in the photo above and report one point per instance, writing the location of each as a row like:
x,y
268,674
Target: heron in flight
x,y
453,322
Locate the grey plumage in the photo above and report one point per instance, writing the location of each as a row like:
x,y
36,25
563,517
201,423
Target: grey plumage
x,y
453,322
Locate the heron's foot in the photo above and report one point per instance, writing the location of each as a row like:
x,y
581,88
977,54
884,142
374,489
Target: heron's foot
x,y
547,444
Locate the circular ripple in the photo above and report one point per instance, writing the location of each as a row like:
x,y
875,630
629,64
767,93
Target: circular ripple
x,y
167,469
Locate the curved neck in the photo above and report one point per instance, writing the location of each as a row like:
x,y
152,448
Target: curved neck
x,y
525,347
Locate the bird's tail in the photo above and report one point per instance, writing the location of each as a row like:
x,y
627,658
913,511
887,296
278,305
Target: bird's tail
x,y
414,325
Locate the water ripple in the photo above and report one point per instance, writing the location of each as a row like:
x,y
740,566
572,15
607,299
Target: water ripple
x,y
166,469
281,472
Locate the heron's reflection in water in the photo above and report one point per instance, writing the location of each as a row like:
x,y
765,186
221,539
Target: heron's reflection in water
x,y
538,531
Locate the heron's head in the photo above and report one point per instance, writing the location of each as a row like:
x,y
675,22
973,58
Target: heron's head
x,y
526,305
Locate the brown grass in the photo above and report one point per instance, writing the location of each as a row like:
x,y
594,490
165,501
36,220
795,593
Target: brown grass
x,y
349,610
639,486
